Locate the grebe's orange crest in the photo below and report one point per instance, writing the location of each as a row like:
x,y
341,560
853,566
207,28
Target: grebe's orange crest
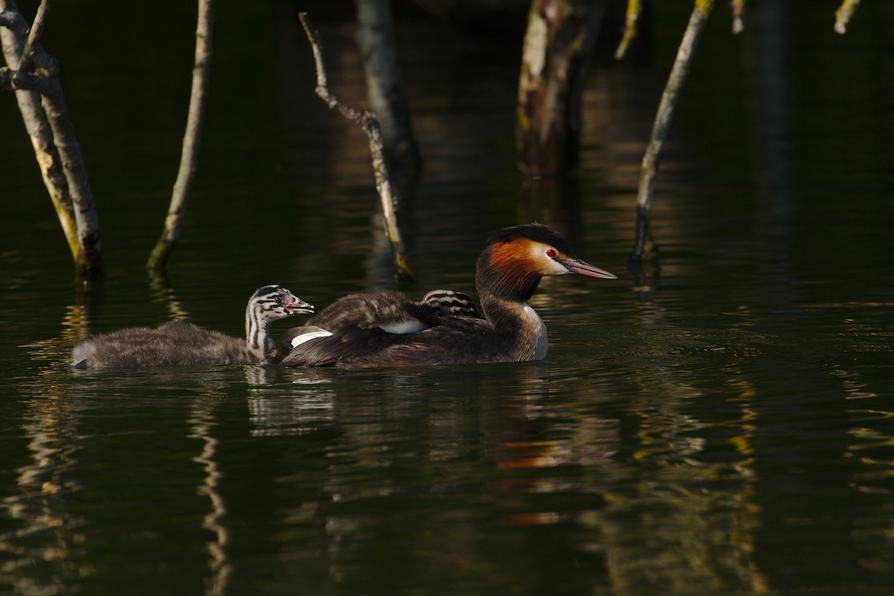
x,y
522,256
517,257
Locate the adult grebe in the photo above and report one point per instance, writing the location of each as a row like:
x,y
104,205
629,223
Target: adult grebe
x,y
179,343
385,329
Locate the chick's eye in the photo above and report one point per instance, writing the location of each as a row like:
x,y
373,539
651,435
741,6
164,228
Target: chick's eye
x,y
551,253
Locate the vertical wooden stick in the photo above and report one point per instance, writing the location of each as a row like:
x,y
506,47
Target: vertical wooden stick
x,y
191,137
662,123
89,257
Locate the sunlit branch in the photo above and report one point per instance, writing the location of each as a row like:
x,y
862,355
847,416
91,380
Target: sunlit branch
x,y
37,26
738,12
45,115
189,154
662,123
843,15
370,125
634,8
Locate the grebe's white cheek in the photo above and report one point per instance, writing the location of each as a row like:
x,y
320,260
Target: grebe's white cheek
x,y
548,265
553,267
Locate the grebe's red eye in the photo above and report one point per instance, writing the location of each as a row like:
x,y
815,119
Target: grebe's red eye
x,y
551,253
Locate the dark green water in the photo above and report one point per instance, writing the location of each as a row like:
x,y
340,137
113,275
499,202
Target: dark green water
x,y
727,429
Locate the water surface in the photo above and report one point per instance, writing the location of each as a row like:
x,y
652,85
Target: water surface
x,y
721,426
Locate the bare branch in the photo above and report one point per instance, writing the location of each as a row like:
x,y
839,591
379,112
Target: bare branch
x,y
370,125
738,13
662,123
190,150
55,145
633,11
89,258
37,26
843,15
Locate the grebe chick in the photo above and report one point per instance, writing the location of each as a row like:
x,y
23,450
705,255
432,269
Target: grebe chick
x,y
385,329
179,343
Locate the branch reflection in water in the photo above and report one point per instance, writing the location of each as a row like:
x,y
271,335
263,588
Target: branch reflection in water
x,y
203,420
42,546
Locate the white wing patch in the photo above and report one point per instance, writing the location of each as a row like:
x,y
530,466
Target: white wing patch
x,y
403,327
304,337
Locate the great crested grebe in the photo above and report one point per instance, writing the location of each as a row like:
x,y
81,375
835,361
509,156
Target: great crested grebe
x,y
385,329
179,343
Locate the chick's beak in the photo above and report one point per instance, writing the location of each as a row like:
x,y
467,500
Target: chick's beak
x,y
296,306
583,268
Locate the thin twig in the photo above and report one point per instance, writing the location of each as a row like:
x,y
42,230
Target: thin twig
x,y
632,17
370,125
843,15
191,137
738,13
34,35
662,123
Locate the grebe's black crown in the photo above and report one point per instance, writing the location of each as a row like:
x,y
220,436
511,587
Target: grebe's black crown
x,y
268,290
532,231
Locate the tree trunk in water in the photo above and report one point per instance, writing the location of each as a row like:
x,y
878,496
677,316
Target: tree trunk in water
x,y
375,36
55,144
548,120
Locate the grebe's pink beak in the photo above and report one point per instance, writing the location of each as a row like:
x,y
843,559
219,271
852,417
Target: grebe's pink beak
x,y
583,268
